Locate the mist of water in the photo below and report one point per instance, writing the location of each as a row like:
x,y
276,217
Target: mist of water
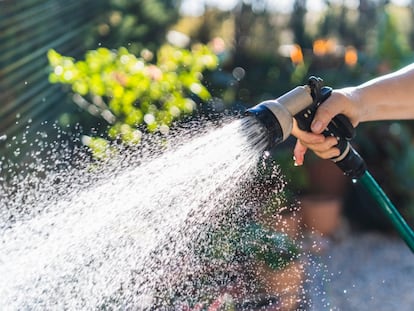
x,y
110,238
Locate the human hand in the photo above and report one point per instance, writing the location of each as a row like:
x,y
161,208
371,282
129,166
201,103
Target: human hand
x,y
342,101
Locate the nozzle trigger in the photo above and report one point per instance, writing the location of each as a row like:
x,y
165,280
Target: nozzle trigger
x,y
305,117
340,126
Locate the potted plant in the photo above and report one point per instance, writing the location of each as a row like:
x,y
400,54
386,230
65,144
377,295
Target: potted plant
x,y
251,264
275,265
242,256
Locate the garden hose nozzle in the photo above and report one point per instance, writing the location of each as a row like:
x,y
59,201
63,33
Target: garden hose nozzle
x,y
301,103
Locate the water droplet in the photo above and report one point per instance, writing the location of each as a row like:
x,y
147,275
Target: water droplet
x,y
238,73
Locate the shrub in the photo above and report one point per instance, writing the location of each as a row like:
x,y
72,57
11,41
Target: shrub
x,y
129,91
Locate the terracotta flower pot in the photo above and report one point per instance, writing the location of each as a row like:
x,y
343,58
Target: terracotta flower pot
x,y
321,214
326,178
285,283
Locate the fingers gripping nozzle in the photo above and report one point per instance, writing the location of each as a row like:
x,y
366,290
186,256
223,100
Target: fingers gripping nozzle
x,y
302,103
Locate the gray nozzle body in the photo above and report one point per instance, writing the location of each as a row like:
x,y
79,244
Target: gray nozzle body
x,y
285,107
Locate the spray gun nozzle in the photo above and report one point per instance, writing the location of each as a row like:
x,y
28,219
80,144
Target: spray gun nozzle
x,y
277,115
301,103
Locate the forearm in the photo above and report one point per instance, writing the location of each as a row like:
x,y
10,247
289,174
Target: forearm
x,y
389,97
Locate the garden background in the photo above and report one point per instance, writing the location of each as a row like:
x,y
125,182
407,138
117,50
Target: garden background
x,y
68,79
263,50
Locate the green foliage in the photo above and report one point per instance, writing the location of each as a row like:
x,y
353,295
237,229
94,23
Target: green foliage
x,y
255,242
276,249
392,47
128,91
101,148
388,150
135,23
297,22
403,171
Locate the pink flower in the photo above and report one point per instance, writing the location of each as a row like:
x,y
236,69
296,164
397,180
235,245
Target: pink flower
x,y
154,72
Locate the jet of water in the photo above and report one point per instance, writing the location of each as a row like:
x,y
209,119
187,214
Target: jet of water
x,y
97,245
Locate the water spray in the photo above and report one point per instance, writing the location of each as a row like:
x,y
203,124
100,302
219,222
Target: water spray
x,y
301,104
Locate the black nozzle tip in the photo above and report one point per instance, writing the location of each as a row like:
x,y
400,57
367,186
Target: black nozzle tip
x,y
269,121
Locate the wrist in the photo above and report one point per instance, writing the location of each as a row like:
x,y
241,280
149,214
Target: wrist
x,y
353,106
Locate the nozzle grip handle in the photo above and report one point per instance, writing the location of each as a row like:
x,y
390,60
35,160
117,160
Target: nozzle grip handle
x,y
349,161
339,127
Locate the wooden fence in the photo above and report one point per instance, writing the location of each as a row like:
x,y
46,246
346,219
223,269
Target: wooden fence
x,y
28,29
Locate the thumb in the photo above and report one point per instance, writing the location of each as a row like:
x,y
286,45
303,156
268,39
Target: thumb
x,y
322,118
327,111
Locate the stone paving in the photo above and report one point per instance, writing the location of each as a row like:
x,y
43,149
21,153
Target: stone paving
x,y
363,271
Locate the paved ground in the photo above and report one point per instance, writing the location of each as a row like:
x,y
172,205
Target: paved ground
x,y
364,271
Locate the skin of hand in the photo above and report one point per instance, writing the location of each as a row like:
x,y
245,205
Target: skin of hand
x,y
387,97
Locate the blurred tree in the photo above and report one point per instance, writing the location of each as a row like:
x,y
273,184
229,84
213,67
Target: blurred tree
x,y
135,23
345,23
367,19
392,48
298,24
255,31
210,21
411,33
328,21
341,22
242,23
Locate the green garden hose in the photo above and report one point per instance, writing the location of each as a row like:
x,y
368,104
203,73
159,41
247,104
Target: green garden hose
x,y
388,208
